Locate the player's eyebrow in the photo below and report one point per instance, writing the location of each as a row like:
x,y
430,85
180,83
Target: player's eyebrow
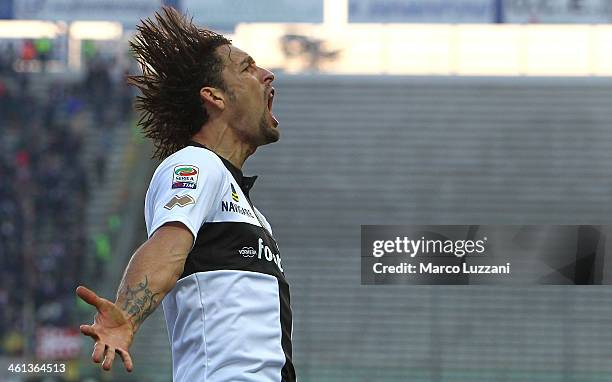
x,y
248,59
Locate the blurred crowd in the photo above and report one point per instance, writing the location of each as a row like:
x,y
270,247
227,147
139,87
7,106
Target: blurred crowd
x,y
48,171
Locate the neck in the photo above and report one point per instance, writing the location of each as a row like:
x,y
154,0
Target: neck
x,y
224,142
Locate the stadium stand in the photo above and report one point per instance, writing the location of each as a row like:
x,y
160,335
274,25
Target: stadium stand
x,y
54,151
355,150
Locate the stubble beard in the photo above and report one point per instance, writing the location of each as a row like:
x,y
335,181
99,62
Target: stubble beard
x,y
269,134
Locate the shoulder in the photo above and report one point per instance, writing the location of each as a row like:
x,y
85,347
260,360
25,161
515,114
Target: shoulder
x,y
196,156
189,165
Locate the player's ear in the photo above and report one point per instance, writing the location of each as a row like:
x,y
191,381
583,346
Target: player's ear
x,y
213,97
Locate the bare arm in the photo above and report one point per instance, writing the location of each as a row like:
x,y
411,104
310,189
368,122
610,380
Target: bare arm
x,y
151,273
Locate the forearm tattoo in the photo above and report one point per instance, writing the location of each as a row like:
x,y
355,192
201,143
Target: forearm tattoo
x,y
139,302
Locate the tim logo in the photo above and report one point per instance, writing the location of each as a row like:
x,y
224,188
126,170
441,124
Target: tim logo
x,y
247,252
185,176
180,201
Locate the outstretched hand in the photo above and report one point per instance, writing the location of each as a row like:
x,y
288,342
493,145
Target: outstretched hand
x,y
111,330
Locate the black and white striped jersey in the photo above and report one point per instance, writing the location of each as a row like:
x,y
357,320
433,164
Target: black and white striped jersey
x,y
228,316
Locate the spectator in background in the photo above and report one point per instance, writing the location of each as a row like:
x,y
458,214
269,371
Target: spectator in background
x,y
43,202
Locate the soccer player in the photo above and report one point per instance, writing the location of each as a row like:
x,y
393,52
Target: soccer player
x,y
210,258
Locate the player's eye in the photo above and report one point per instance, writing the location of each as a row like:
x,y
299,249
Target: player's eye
x,y
249,66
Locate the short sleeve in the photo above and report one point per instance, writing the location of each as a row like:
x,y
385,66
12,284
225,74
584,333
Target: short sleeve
x,y
183,190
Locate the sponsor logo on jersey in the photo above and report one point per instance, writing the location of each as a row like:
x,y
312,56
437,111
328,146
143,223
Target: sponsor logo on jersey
x,y
247,251
264,252
181,201
234,207
235,196
185,176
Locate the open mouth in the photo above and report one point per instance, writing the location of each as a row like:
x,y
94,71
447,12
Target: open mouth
x,y
270,102
270,99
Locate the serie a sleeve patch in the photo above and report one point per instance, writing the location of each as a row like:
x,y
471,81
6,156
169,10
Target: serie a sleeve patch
x,y
185,176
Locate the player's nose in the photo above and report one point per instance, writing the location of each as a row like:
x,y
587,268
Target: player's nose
x,y
266,76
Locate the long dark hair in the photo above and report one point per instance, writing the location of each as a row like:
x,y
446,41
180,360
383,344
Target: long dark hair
x,y
177,59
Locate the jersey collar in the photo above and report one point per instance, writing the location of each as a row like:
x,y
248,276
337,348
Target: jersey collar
x,y
244,182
